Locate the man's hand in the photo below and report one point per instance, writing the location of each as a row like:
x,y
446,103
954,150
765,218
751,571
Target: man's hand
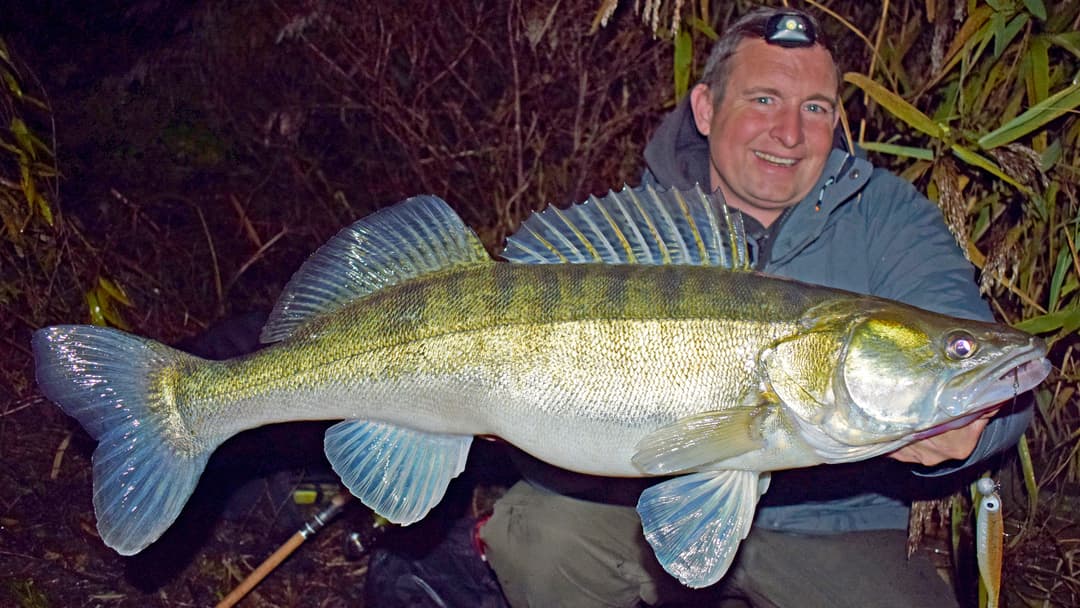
x,y
955,444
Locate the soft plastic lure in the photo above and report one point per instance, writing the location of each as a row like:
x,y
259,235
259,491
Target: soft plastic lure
x,y
989,533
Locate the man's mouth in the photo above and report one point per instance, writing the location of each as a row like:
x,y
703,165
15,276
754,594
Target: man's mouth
x,y
776,160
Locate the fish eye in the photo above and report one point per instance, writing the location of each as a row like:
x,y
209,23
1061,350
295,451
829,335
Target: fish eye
x,y
960,345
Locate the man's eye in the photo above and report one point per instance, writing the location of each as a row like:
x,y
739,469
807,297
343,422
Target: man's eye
x,y
817,108
763,100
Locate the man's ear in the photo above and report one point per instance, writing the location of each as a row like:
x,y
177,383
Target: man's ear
x,y
702,106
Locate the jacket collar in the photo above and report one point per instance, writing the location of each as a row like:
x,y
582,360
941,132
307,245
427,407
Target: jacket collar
x,y
845,175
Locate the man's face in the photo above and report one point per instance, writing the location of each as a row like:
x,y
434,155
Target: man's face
x,y
771,134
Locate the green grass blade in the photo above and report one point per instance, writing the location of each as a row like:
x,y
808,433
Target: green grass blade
x,y
1070,41
977,160
1004,36
1029,477
895,150
1038,57
702,26
1066,318
1036,8
684,59
1064,260
896,105
1036,116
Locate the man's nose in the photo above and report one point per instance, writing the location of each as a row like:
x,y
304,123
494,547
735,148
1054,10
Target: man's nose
x,y
788,128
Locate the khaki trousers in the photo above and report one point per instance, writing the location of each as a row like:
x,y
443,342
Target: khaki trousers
x,y
550,550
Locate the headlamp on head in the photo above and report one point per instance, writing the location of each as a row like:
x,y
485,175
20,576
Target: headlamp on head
x,y
790,30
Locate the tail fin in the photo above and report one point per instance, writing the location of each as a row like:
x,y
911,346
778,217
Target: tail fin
x,y
121,389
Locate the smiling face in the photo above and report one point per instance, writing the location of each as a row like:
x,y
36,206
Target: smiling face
x,y
770,135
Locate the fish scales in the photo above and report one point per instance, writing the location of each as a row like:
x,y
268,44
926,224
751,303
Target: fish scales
x,y
451,335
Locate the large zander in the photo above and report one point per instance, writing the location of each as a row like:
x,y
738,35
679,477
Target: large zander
x,y
628,339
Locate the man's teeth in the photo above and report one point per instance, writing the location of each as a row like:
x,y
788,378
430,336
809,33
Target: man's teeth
x,y
787,162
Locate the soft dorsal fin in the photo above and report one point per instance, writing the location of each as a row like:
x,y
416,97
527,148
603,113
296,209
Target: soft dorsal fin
x,y
415,237
635,226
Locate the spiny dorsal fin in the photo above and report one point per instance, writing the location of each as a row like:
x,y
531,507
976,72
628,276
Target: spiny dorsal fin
x,y
635,226
415,237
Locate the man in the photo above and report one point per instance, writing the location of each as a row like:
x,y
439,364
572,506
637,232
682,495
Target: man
x,y
759,128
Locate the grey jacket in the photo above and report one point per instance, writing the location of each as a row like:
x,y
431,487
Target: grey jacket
x,y
865,230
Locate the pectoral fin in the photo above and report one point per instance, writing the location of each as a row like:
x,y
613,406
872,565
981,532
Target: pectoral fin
x,y
696,441
696,522
399,473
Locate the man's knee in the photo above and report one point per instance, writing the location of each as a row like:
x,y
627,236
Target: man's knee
x,y
548,549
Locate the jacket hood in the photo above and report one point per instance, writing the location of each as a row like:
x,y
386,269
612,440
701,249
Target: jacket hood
x,y
678,154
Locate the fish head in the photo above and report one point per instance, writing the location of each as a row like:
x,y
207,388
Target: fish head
x,y
908,374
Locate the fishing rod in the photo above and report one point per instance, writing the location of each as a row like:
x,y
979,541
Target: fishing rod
x,y
308,530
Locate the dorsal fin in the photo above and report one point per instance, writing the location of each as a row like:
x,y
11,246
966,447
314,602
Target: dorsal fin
x,y
635,226
412,238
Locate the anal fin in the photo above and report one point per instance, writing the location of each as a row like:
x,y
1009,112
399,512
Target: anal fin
x,y
399,473
696,522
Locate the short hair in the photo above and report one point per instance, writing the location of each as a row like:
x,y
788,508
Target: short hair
x,y
752,25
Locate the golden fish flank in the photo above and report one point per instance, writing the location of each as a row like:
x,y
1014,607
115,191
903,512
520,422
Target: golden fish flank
x,y
624,337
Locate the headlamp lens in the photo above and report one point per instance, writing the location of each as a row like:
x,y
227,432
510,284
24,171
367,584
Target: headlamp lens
x,y
790,30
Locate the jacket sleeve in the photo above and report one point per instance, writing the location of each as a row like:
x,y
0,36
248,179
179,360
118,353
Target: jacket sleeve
x,y
917,261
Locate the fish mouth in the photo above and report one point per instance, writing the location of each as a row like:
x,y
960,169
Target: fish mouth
x,y
953,424
1013,376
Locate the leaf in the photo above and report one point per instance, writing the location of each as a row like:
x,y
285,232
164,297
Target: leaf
x,y
896,105
1070,41
1037,8
1064,261
916,170
100,303
982,222
997,24
23,137
29,187
43,207
112,316
94,307
702,26
1036,116
1029,476
1039,68
114,291
977,160
684,55
895,150
1003,37
13,85
1068,319
972,27
1050,156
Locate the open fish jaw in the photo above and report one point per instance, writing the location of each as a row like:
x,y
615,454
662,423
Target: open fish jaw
x,y
1012,376
1015,376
